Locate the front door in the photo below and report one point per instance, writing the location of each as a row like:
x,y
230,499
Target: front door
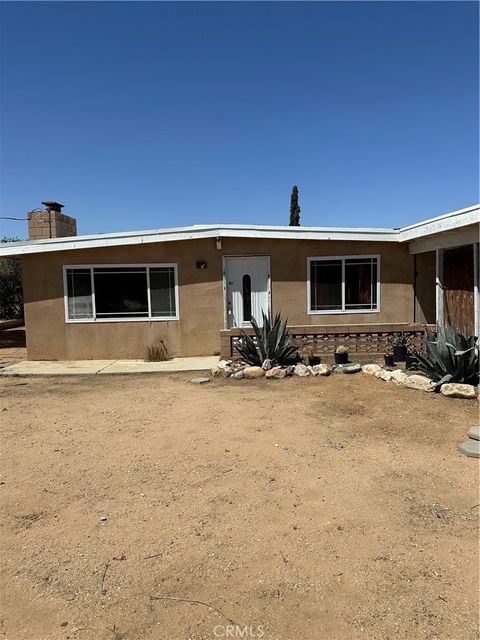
x,y
247,288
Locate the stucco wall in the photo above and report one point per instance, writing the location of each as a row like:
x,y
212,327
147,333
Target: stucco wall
x,y
200,295
425,292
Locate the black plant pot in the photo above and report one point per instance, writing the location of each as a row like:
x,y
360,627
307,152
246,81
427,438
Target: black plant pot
x,y
411,362
388,357
341,358
399,354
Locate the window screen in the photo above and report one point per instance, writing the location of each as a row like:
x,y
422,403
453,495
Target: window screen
x,y
79,292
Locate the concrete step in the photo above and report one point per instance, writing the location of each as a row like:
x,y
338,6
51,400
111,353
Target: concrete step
x,y
470,448
474,433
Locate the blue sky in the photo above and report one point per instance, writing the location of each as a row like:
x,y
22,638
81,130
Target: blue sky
x,y
142,115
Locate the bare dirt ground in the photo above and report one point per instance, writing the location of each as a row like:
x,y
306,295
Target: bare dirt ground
x,y
331,509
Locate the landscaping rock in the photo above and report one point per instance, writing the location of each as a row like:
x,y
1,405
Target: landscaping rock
x,y
239,375
200,380
398,376
322,369
224,368
371,369
474,433
456,390
311,370
470,448
276,372
253,372
384,375
350,368
416,381
290,370
267,364
301,370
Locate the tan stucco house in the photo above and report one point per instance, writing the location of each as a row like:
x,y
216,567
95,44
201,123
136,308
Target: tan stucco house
x,y
110,295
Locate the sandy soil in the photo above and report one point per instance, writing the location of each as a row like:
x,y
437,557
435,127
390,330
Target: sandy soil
x,y
331,509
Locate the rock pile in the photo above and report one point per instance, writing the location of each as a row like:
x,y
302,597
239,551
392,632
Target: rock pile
x,y
419,382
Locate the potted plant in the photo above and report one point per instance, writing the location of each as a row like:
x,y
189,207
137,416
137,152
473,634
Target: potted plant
x,y
411,360
400,342
341,355
388,357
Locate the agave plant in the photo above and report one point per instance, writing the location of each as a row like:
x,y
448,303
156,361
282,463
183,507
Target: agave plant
x,y
272,342
449,356
400,339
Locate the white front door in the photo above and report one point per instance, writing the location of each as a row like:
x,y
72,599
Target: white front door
x,y
247,288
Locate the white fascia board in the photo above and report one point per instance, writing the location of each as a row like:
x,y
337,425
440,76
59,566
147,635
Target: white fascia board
x,y
449,239
447,222
197,232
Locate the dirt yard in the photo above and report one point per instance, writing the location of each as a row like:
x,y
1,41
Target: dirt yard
x,y
332,509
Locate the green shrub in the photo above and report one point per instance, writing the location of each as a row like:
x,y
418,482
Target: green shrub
x,y
449,356
272,342
11,294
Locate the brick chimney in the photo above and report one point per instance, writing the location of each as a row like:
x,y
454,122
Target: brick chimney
x,y
50,223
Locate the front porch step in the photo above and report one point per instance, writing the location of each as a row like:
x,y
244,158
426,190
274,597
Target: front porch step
x,y
470,448
474,433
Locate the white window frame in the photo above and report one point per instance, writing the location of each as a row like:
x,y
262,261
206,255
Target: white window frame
x,y
96,320
342,311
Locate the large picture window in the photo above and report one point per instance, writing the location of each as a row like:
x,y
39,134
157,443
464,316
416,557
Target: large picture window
x,y
113,292
343,284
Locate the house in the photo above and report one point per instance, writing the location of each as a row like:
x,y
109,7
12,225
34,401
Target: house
x,y
110,295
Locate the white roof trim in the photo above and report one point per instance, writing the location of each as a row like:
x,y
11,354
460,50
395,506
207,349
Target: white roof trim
x,y
196,232
448,221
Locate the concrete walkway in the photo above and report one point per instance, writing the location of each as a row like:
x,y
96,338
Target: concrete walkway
x,y
106,367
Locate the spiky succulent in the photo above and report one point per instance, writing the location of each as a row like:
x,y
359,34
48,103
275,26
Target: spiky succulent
x,y
449,356
272,342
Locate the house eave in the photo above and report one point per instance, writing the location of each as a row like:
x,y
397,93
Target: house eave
x,y
197,232
454,220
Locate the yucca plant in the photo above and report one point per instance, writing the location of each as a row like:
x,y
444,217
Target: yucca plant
x,y
449,356
272,342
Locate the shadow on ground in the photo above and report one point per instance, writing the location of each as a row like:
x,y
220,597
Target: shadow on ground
x,y
12,338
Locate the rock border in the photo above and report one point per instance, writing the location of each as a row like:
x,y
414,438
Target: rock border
x,y
239,370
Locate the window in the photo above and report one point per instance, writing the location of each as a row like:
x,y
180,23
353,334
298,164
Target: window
x,y
343,285
112,292
247,297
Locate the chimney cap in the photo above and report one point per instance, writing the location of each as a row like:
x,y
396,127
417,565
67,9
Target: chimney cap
x,y
53,205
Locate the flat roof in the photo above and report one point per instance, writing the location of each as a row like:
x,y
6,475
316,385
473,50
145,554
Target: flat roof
x,y
445,222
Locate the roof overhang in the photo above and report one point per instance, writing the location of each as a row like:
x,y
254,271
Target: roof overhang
x,y
445,225
197,232
448,222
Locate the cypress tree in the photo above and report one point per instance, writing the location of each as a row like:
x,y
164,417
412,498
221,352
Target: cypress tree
x,y
294,208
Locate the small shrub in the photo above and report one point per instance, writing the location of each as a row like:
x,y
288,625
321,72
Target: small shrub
x,y
156,352
400,339
272,342
449,356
